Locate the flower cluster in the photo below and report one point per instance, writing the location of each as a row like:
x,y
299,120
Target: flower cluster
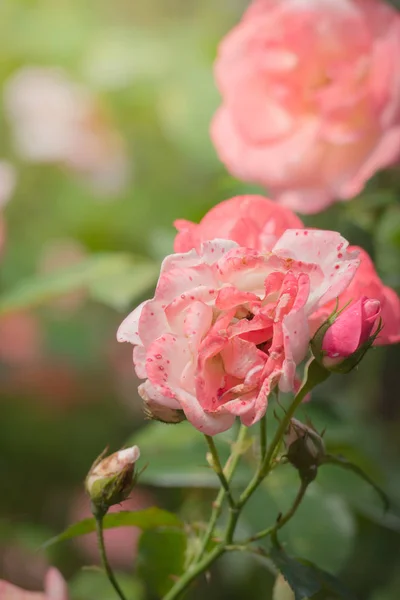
x,y
232,318
310,109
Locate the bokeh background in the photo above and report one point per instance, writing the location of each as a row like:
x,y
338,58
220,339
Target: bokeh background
x,y
83,233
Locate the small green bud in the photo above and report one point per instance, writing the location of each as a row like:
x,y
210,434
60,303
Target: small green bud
x,y
305,449
111,479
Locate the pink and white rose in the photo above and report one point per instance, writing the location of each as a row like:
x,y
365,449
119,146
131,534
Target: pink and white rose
x,y
228,324
310,98
257,222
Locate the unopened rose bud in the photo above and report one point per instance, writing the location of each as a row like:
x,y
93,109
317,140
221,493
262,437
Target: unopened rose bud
x,y
111,479
305,449
341,342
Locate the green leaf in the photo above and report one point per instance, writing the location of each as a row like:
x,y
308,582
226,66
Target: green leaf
x,y
177,456
149,518
323,528
93,584
305,578
387,240
116,279
342,462
161,558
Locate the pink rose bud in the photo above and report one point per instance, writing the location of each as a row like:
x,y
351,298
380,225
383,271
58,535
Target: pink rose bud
x,y
111,479
343,339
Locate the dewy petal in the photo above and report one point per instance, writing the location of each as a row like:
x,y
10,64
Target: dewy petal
x,y
207,423
213,250
166,360
147,391
139,360
153,322
240,356
128,331
198,320
327,250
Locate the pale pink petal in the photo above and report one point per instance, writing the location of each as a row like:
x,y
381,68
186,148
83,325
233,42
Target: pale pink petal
x,y
207,423
128,331
166,359
148,392
198,320
328,250
139,360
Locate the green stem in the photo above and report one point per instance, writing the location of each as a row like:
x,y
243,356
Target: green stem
x,y
219,470
192,572
229,471
196,569
104,559
263,438
315,374
284,519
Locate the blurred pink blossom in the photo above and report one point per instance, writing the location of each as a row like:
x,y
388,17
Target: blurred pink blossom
x,y
311,98
21,342
7,184
55,588
228,324
55,120
60,254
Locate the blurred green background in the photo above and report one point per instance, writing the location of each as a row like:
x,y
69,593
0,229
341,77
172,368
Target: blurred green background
x,y
77,258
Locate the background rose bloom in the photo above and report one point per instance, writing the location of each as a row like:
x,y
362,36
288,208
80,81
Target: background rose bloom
x,y
257,222
55,120
251,221
227,324
311,97
7,184
54,585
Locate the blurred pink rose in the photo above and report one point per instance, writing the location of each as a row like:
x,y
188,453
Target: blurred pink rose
x,y
227,324
7,184
311,97
256,222
54,586
350,330
61,254
56,120
21,339
251,221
